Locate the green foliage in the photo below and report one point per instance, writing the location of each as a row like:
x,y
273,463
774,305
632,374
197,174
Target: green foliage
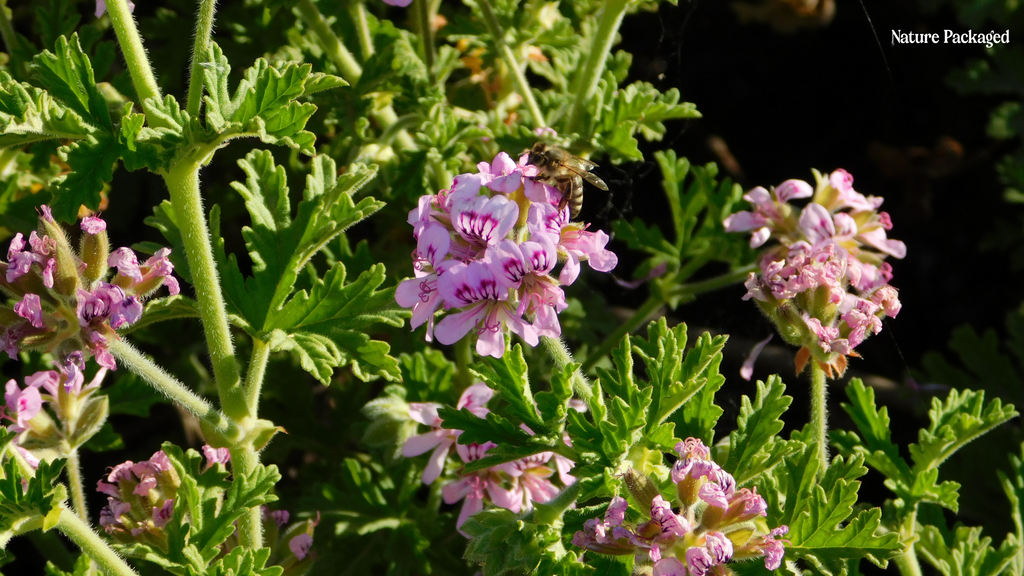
x,y
960,419
324,326
823,528
698,203
28,503
964,552
754,447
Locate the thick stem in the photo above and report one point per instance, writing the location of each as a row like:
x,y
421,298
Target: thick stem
x,y
908,563
653,303
562,357
183,183
74,469
250,525
329,41
200,54
254,377
171,387
819,413
425,23
522,86
134,53
358,9
607,28
92,545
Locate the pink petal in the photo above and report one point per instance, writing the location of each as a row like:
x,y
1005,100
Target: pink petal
x,y
454,327
748,365
435,466
422,443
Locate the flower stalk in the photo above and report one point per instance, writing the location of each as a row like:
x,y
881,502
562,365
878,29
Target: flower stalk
x,y
522,86
358,10
134,53
250,524
604,38
183,183
200,54
562,357
819,414
171,387
425,23
74,469
257,370
92,545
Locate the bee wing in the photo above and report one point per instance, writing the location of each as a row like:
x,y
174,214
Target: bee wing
x,y
593,179
579,164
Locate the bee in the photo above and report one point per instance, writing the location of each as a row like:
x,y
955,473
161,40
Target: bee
x,y
566,173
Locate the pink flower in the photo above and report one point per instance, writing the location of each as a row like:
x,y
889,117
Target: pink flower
x,y
484,221
531,485
482,298
301,544
474,399
774,549
502,174
30,308
216,455
421,293
572,241
475,486
669,567
93,225
101,7
24,404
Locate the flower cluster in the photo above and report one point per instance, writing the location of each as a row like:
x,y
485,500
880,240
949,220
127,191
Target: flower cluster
x,y
55,411
513,485
140,500
825,284
715,524
486,250
64,302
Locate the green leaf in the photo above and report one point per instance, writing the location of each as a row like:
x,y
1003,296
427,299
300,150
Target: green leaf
x,y
967,553
163,309
326,326
265,101
508,377
963,417
28,502
753,446
28,114
67,74
244,562
824,533
91,161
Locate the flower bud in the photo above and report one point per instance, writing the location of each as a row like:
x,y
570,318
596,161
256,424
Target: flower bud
x,y
65,278
641,487
94,248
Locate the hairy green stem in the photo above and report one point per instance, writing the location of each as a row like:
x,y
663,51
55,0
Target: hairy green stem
x,y
330,42
819,413
134,53
254,377
907,562
183,183
347,65
562,357
200,54
590,75
171,387
649,307
358,10
522,86
424,21
250,524
74,469
92,545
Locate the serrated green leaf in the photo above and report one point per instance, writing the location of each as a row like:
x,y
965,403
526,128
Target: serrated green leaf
x,y
753,446
968,554
824,533
28,114
92,161
67,75
508,377
963,417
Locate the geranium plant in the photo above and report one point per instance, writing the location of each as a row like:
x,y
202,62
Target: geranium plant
x,y
375,324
